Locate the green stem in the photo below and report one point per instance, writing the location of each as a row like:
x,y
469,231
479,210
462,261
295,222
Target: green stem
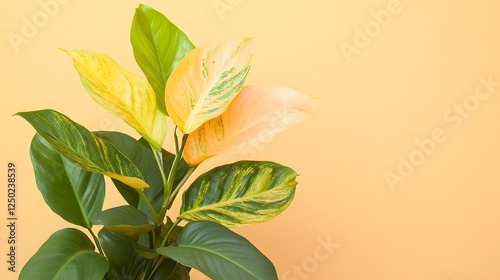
x,y
163,243
150,206
173,170
159,162
179,186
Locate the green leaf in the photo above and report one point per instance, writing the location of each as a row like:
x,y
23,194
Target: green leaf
x,y
158,47
139,152
71,192
67,254
244,192
219,253
128,96
171,270
124,263
83,148
125,220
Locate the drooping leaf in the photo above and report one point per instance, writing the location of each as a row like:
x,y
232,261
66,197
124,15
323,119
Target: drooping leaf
x,y
205,82
158,46
67,254
219,253
255,115
171,270
124,262
83,148
139,152
128,96
125,220
71,192
244,192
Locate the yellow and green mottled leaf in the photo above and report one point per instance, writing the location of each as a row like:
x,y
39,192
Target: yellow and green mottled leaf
x,y
205,82
83,148
124,94
244,192
255,115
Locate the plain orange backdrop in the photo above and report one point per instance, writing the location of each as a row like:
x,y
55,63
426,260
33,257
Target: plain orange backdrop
x,y
388,73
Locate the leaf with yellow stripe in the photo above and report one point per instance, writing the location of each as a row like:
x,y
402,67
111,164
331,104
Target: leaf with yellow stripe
x,y
256,114
205,82
83,148
244,192
124,94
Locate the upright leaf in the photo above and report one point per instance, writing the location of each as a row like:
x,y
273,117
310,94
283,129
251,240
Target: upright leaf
x,y
67,254
158,46
219,253
256,114
83,148
128,96
71,192
125,220
245,192
205,82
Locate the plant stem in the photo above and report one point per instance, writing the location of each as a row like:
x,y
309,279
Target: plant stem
x,y
163,243
173,170
159,162
150,206
179,186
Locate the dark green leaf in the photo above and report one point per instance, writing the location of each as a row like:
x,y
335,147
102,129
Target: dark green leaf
x,y
171,270
71,192
83,148
124,263
244,192
67,254
219,253
125,220
158,47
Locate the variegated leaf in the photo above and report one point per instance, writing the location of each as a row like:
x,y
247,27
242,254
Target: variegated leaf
x,y
257,114
83,148
205,82
124,94
244,192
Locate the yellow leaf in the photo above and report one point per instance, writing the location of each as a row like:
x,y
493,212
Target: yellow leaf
x,y
128,96
256,115
205,82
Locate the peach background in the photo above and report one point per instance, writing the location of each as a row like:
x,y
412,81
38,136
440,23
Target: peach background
x,y
441,223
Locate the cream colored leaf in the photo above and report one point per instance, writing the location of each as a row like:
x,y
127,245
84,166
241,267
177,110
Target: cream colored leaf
x,y
205,82
256,115
124,94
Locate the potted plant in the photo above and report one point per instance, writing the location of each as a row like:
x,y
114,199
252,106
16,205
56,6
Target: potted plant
x,y
202,91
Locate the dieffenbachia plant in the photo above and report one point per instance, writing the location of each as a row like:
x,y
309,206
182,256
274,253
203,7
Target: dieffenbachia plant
x,y
202,91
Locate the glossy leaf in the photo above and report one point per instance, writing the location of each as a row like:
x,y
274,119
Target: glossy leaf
x,y
219,253
205,82
158,47
171,270
67,254
83,148
245,192
124,263
71,192
257,114
139,152
128,96
125,220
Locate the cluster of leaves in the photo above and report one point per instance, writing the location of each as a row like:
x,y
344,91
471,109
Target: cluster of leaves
x,y
201,90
